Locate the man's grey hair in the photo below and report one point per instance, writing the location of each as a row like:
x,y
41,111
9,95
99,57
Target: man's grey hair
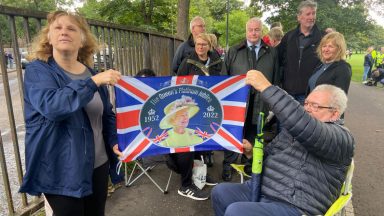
x,y
338,98
306,4
254,19
194,20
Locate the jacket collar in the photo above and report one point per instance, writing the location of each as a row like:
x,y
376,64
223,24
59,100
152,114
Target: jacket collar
x,y
244,45
190,41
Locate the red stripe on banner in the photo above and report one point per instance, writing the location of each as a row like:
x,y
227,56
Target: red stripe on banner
x,y
234,113
137,150
227,83
180,80
133,89
179,150
127,119
234,142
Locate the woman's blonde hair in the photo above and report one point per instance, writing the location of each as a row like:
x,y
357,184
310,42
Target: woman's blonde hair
x,y
213,41
205,37
42,50
336,39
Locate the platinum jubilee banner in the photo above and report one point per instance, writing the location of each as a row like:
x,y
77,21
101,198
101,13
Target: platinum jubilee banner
x,y
162,115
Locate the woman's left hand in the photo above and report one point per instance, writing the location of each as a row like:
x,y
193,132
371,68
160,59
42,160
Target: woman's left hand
x,y
117,151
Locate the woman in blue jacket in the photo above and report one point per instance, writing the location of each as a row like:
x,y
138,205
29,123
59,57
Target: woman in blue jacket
x,y
68,117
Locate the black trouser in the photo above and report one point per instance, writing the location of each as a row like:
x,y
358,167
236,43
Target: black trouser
x,y
183,165
92,205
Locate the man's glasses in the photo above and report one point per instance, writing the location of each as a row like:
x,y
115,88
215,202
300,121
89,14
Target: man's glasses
x,y
315,106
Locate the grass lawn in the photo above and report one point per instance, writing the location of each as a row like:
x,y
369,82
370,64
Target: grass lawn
x,y
356,62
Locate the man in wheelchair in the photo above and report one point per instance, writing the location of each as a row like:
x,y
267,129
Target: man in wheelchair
x,y
304,165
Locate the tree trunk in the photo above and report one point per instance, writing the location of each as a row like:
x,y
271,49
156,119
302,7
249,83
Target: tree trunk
x,y
182,19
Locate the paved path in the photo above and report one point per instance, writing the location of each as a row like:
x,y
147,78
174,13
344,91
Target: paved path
x,y
365,118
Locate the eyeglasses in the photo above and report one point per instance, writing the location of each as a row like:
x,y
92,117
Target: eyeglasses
x,y
201,26
315,106
201,44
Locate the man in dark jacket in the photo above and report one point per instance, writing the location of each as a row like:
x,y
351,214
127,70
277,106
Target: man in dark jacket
x,y
297,51
252,53
197,26
305,165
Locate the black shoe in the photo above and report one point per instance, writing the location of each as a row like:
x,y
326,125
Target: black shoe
x,y
210,181
227,175
193,192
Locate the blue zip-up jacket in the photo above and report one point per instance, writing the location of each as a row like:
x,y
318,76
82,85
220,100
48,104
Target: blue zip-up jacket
x,y
59,145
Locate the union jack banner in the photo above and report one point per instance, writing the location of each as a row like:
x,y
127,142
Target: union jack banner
x,y
162,115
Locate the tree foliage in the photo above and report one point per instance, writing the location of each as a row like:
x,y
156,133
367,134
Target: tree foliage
x,y
350,17
148,14
36,5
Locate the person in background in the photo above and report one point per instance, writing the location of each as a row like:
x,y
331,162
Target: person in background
x,y
146,72
275,36
196,26
329,30
252,53
368,63
203,61
68,118
304,167
379,58
267,38
297,51
215,45
333,70
5,59
378,76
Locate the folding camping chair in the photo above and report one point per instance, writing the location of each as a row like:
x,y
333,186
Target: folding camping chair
x,y
240,169
338,207
144,169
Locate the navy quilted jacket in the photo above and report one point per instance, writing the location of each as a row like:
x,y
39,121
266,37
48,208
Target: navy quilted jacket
x,y
306,164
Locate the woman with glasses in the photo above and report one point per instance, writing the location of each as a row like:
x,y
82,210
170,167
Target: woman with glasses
x,y
203,61
333,70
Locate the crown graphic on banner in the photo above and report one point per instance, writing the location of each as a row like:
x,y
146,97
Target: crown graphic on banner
x,y
151,112
210,108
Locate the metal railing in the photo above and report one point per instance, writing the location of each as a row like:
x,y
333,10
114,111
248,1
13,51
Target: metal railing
x,y
124,48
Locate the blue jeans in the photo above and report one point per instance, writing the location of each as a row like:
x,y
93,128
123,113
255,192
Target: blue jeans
x,y
365,74
233,199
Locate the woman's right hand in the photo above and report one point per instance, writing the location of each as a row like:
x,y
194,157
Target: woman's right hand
x,y
117,151
108,77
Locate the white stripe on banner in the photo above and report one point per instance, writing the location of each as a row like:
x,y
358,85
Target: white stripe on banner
x,y
225,143
229,90
129,108
133,145
236,123
128,130
142,86
194,79
233,103
173,80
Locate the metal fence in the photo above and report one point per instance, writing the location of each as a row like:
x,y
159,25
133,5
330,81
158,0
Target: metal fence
x,y
124,48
